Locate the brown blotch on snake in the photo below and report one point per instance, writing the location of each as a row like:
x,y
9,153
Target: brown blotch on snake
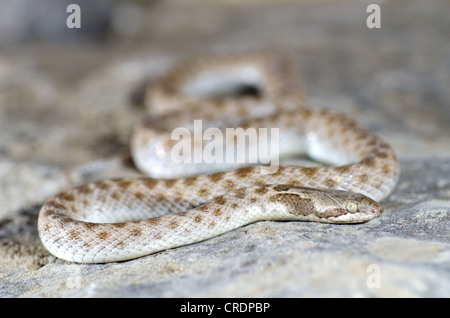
x,y
297,205
103,235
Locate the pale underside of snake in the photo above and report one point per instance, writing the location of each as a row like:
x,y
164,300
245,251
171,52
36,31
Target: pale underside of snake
x,y
120,219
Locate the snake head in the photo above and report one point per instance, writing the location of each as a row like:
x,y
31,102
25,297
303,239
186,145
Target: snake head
x,y
327,205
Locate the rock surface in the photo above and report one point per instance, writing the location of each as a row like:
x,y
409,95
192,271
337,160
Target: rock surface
x,y
64,104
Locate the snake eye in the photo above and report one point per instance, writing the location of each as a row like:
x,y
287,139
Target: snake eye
x,y
351,207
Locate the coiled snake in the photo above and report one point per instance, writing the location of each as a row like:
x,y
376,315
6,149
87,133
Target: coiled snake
x,y
120,219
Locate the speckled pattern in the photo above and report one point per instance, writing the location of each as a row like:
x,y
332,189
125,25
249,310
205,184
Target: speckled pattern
x,y
120,219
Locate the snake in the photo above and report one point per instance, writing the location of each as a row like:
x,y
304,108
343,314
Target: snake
x,y
177,204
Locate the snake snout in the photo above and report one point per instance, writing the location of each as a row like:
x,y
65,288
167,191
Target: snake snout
x,y
373,208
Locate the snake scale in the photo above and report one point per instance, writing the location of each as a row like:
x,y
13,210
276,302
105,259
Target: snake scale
x,y
179,204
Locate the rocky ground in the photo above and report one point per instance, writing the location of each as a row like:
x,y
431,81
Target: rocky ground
x,y
69,97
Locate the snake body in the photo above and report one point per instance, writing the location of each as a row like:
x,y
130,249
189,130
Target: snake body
x,y
120,219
